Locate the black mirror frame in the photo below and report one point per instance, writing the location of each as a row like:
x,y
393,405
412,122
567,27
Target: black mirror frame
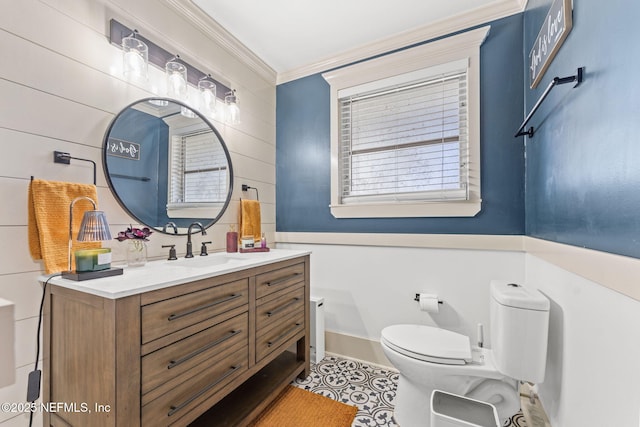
x,y
207,122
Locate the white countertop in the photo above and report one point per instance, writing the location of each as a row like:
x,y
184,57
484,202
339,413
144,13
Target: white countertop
x,y
161,274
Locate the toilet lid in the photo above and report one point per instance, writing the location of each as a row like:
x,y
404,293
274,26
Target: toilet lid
x,y
428,343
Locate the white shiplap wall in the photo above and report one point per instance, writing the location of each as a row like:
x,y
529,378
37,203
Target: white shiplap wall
x,y
60,86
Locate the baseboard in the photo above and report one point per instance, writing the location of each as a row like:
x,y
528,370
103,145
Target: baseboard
x,y
353,347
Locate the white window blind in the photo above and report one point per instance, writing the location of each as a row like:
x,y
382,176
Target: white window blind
x,y
198,171
408,141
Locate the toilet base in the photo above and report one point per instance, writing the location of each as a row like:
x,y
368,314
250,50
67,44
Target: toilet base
x,y
411,408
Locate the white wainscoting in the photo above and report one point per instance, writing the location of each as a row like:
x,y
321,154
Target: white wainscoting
x,y
367,288
594,345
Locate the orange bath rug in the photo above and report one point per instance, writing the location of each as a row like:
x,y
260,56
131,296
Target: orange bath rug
x,y
296,407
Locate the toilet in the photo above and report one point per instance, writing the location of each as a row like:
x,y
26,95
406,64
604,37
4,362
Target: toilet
x,y
430,358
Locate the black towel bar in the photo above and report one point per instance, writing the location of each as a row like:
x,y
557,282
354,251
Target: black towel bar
x,y
245,187
556,81
65,159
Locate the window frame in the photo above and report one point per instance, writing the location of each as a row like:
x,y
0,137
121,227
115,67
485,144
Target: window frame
x,y
454,48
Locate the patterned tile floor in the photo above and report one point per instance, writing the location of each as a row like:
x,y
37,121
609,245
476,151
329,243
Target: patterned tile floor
x,y
371,388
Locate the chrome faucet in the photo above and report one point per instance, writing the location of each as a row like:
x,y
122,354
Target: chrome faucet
x,y
189,245
170,224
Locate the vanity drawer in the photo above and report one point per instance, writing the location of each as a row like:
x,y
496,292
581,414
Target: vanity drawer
x,y
205,347
282,331
269,313
164,317
186,396
274,280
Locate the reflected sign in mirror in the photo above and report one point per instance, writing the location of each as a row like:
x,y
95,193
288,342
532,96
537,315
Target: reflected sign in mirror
x,y
166,164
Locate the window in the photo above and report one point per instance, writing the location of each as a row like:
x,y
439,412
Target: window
x,y
198,175
405,132
407,141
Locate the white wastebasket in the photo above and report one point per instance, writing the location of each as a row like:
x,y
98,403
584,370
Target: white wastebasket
x,y
317,329
452,410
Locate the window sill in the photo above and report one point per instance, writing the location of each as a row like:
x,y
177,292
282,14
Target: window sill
x,y
407,210
197,211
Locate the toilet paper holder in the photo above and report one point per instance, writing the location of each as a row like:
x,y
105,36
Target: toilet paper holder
x,y
417,299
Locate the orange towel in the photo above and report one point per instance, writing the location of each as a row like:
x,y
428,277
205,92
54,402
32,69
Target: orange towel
x,y
250,219
48,228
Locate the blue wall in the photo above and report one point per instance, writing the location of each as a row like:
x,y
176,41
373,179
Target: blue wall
x,y
303,151
149,132
583,163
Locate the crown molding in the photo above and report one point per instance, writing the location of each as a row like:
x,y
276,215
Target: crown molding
x,y
496,10
222,37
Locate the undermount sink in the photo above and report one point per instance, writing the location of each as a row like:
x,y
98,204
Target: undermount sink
x,y
201,261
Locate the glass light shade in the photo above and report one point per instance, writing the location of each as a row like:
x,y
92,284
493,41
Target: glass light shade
x,y
135,59
176,80
159,102
187,112
207,90
233,111
94,227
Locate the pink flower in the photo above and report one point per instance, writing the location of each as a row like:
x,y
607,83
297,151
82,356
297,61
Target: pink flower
x,y
134,233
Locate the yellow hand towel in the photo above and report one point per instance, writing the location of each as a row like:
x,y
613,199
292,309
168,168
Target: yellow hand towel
x,y
48,228
250,219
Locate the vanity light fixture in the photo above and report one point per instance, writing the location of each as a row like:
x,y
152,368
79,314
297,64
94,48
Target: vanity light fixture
x,y
191,75
94,228
207,92
135,58
233,111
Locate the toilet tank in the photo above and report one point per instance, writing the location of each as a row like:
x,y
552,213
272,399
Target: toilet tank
x,y
519,330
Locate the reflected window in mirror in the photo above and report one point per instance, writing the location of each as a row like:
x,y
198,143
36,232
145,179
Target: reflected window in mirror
x,y
198,175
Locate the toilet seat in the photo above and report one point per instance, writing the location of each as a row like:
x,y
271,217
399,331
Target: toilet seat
x,y
428,343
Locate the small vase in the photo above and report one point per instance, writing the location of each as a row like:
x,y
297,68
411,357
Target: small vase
x,y
136,253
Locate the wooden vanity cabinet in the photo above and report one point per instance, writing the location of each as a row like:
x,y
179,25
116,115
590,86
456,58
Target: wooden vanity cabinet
x,y
210,352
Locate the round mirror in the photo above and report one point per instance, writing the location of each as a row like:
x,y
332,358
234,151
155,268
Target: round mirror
x,y
167,165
